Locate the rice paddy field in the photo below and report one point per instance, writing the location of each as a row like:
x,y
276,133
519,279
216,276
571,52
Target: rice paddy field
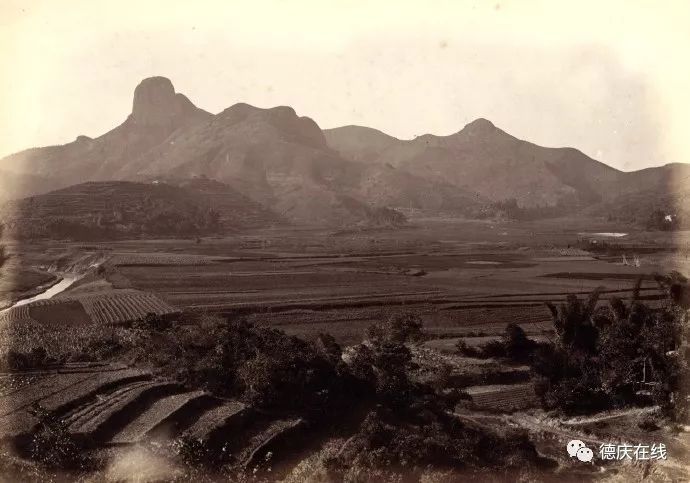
x,y
464,278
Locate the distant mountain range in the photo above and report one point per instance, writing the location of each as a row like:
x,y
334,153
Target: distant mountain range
x,y
271,165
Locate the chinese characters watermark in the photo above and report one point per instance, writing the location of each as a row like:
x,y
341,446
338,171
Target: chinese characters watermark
x,y
617,452
637,452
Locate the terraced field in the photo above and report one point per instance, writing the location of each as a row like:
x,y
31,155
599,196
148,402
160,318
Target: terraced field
x,y
503,398
160,414
120,306
103,307
112,406
207,427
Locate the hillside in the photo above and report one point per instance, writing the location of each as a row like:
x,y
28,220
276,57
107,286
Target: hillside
x,y
157,112
117,209
274,157
234,209
652,209
286,168
485,159
359,143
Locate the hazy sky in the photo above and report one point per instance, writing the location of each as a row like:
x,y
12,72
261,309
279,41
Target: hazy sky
x,y
610,78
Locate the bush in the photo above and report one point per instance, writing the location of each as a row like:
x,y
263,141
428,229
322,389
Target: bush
x,y
468,351
397,328
611,357
36,358
513,346
54,446
153,321
386,448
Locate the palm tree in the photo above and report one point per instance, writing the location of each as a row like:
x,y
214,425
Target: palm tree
x,y
574,322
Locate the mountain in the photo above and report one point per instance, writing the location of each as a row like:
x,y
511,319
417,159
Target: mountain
x,y
485,159
271,156
283,160
117,209
234,209
157,112
653,208
359,143
290,170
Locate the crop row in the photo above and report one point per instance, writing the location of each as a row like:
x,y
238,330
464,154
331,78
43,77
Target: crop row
x,y
277,432
158,259
124,307
15,314
508,398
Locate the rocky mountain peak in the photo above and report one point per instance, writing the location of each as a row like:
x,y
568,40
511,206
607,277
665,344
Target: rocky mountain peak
x,y
479,126
156,103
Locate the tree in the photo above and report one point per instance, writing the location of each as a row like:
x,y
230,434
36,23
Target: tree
x,y
612,356
518,347
574,322
396,328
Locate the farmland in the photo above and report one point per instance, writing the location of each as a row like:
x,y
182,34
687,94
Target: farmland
x,y
463,278
466,281
340,283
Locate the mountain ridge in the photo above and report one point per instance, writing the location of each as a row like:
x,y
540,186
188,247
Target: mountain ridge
x,y
290,166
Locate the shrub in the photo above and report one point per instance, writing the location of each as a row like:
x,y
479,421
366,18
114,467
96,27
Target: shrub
x,y
612,357
468,351
153,321
514,346
53,445
397,328
36,358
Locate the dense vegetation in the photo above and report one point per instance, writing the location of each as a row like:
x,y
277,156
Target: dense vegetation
x,y
648,209
510,209
396,425
606,356
158,223
613,356
514,346
111,210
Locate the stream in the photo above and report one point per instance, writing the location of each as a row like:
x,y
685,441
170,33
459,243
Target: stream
x,y
50,292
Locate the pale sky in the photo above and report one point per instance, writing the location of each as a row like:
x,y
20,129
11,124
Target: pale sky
x,y
609,78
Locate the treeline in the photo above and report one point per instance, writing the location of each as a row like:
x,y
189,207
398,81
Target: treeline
x,y
510,209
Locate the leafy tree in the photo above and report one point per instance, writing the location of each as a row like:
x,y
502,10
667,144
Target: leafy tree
x,y
396,328
611,356
514,346
518,347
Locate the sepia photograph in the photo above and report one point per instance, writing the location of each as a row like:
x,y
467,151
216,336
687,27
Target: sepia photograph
x,y
344,241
